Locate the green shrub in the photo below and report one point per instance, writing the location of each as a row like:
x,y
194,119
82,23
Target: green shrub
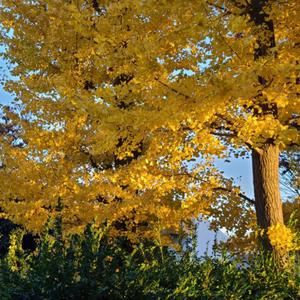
x,y
90,266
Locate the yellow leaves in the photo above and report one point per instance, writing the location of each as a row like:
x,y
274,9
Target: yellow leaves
x,y
121,149
189,202
8,23
282,238
30,213
256,130
173,126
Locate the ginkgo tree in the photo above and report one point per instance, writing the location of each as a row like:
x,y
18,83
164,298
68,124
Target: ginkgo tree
x,y
121,108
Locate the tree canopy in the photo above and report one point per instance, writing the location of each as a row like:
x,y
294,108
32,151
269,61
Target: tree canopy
x,y
121,108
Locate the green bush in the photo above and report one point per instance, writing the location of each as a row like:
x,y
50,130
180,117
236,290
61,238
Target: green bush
x,y
90,266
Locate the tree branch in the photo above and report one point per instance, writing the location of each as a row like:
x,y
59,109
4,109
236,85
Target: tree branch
x,y
172,89
239,194
251,201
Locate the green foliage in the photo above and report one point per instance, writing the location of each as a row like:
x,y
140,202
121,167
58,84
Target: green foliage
x,y
91,266
6,227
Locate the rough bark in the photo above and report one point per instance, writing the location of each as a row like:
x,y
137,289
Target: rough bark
x,y
268,203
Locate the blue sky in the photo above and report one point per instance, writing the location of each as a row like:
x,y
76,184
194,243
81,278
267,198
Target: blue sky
x,y
5,97
241,170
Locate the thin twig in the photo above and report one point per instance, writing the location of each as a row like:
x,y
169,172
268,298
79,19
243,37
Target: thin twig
x,y
173,89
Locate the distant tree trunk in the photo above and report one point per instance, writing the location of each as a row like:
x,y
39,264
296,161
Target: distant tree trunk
x,y
268,205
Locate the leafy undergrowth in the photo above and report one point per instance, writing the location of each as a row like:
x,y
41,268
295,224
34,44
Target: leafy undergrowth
x,y
92,267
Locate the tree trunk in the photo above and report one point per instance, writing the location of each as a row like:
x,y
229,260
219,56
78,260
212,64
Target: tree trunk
x,y
268,205
265,160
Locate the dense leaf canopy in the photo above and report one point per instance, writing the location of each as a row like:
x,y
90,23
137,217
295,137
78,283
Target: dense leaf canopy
x,y
121,107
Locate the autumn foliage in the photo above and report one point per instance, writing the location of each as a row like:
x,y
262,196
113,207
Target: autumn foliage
x,y
122,107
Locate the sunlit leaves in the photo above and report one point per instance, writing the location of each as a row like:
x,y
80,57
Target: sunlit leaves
x,y
116,100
